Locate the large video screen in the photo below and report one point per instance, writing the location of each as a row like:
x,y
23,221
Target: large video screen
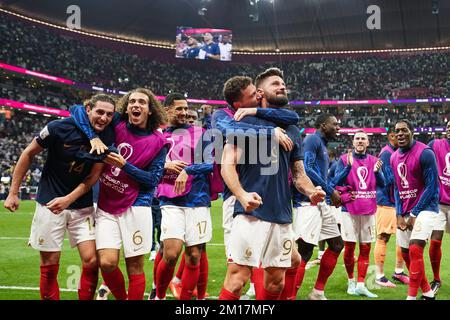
x,y
203,44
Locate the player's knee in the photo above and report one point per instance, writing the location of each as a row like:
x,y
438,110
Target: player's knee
x,y
194,258
305,250
336,245
90,261
170,257
384,237
108,265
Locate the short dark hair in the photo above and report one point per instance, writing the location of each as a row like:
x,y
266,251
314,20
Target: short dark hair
x,y
100,97
408,123
321,119
171,97
232,89
268,73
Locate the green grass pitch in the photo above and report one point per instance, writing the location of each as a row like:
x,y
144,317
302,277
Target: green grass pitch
x,y
19,264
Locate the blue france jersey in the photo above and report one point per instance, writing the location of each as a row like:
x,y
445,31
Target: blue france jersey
x,y
191,53
212,48
63,170
273,188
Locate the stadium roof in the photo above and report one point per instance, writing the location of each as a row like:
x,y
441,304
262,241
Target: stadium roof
x,y
289,25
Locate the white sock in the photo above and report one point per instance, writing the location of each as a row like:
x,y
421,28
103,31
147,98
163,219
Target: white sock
x,y
398,270
428,294
319,292
410,298
320,254
176,280
351,280
379,276
360,285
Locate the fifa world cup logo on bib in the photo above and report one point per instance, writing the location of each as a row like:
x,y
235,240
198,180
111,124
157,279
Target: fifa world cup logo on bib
x,y
402,171
362,174
125,150
446,171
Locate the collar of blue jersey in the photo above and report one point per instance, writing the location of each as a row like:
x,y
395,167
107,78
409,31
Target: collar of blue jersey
x,y
138,131
359,156
94,157
231,108
407,148
321,136
392,147
173,128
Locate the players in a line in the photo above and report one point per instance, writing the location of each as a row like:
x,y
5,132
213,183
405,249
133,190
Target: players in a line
x,y
441,148
64,199
127,186
386,218
261,232
313,223
417,203
362,176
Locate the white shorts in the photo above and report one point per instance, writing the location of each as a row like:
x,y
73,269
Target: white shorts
x,y
423,227
227,220
255,243
48,229
443,218
358,228
337,213
315,223
191,225
134,228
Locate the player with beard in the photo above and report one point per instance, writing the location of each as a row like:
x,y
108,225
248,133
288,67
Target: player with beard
x,y
441,148
416,192
269,221
362,175
317,222
386,218
64,199
126,190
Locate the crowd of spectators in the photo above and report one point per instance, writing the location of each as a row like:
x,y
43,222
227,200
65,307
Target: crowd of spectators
x,y
415,75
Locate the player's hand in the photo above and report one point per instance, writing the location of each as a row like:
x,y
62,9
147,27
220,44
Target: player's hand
x,y
336,199
115,160
410,223
98,146
12,202
318,196
401,223
243,112
378,165
250,201
175,165
180,182
283,139
59,204
350,158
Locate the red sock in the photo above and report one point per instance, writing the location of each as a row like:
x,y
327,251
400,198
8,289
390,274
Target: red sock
x,y
116,283
267,295
299,278
158,259
88,283
257,278
289,284
49,282
363,261
417,269
189,280
163,276
136,286
227,295
203,277
405,256
327,264
181,266
435,257
349,258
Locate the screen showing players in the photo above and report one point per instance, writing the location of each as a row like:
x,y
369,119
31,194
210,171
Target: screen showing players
x,y
203,44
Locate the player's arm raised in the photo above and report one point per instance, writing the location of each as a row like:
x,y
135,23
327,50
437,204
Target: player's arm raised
x,y
249,200
59,204
304,184
22,166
